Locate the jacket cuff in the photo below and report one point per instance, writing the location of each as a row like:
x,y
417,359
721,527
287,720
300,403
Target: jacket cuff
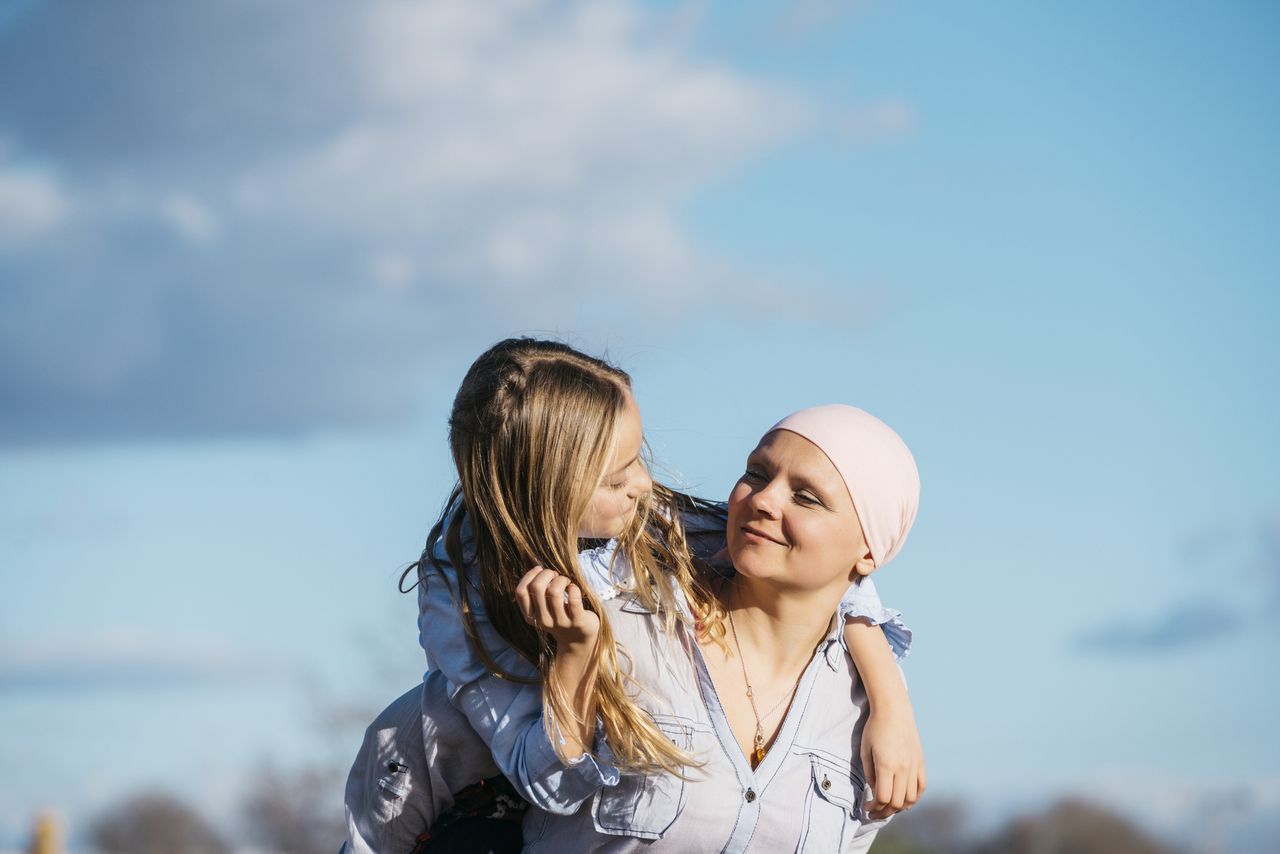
x,y
563,786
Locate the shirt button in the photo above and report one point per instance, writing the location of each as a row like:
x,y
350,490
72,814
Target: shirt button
x,y
826,782
750,795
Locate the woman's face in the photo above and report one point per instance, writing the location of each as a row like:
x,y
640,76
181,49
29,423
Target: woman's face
x,y
625,479
791,520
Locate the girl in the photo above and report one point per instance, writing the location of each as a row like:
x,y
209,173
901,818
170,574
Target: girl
x,y
547,445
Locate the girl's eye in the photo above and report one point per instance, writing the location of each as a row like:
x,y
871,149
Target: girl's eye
x,y
802,498
752,476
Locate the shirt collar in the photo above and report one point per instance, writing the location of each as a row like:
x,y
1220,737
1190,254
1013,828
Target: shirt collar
x,y
832,644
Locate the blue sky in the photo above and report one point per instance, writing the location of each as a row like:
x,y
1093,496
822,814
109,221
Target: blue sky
x,y
246,253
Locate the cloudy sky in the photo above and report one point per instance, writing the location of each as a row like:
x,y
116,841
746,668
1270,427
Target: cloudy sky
x,y
247,250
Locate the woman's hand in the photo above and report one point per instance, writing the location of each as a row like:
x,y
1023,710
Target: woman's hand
x,y
553,603
892,759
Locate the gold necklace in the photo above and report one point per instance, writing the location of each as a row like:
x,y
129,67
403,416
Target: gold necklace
x,y
757,743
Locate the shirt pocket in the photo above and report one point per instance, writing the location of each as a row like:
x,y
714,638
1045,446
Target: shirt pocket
x,y
391,790
832,803
645,805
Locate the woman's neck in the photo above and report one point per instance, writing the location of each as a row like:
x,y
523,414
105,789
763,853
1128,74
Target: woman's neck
x,y
780,628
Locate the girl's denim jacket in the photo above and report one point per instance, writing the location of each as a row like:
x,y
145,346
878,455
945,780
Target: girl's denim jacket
x,y
507,715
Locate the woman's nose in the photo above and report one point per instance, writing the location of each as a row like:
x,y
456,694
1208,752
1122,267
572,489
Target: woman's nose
x,y
765,500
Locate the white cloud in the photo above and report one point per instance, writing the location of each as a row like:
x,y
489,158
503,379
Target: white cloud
x,y
32,203
497,134
190,218
289,243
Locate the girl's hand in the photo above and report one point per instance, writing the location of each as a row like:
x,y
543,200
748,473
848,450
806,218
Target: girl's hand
x,y
553,603
893,760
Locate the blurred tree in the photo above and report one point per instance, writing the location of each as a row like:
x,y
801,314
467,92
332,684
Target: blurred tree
x,y
890,843
296,812
155,824
1072,827
933,827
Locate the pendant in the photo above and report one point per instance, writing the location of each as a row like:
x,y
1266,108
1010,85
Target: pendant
x,y
757,754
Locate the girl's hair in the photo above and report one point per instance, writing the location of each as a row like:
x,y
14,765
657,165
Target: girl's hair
x,y
533,426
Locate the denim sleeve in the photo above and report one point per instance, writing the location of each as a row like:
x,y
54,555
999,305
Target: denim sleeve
x,y
704,524
507,715
862,601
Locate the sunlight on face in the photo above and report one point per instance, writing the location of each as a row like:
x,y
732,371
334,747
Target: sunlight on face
x,y
791,520
625,479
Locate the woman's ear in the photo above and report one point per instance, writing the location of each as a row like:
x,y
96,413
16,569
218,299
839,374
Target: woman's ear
x,y
864,567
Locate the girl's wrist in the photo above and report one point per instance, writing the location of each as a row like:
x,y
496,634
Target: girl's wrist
x,y
575,654
890,699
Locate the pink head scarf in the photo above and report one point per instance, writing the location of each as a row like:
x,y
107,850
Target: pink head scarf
x,y
877,468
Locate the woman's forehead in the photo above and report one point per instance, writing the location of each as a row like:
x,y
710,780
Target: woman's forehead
x,y
801,457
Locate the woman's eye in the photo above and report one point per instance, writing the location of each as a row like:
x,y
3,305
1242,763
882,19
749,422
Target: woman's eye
x,y
802,498
752,476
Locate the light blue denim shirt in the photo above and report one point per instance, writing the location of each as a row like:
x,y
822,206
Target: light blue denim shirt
x,y
416,755
807,795
508,715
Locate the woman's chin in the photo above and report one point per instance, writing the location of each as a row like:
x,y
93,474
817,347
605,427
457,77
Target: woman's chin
x,y
749,566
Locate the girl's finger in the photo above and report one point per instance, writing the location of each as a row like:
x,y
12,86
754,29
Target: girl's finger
x,y
899,792
538,598
913,792
884,790
869,766
555,601
573,608
921,781
522,592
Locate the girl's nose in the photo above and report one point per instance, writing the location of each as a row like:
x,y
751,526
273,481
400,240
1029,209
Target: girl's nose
x,y
640,484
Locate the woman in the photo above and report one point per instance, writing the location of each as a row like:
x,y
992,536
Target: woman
x,y
762,695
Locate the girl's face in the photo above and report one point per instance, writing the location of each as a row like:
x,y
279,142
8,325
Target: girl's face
x,y
624,481
791,520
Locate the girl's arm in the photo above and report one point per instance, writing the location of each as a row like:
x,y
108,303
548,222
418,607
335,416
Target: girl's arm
x,y
552,603
506,714
892,758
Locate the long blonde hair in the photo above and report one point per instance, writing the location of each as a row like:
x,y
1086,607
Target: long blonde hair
x,y
532,427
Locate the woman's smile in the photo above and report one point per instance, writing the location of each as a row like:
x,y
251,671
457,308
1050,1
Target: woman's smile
x,y
755,535
792,496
